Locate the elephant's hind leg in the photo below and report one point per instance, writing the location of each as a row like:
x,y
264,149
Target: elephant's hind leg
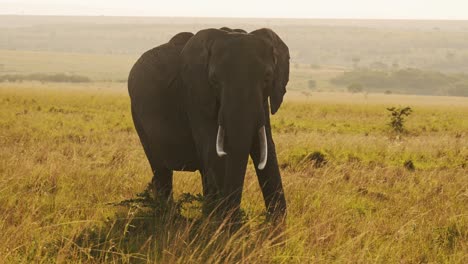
x,y
162,184
162,177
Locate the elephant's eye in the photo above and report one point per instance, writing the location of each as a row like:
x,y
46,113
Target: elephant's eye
x,y
268,77
212,78
214,81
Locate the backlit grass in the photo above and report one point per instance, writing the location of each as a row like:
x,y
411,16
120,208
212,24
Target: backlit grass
x,y
68,152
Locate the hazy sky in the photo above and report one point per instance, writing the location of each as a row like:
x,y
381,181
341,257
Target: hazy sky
x,y
398,9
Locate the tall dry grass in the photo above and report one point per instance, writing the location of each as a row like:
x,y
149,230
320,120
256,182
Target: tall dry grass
x,y
69,153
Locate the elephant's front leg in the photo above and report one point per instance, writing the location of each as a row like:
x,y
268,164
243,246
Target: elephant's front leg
x,y
222,179
270,179
162,185
212,167
211,189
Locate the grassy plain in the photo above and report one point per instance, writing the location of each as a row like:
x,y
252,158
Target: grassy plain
x,y
69,150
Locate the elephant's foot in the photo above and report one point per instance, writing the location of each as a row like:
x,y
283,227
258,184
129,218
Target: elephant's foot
x,y
276,218
276,211
161,186
211,207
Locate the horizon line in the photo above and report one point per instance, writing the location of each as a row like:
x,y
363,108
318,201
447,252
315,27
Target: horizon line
x,y
235,17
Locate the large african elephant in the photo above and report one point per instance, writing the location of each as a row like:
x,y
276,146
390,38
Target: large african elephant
x,y
200,102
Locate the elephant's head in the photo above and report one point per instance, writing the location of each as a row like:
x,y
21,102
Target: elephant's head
x,y
238,30
235,74
244,70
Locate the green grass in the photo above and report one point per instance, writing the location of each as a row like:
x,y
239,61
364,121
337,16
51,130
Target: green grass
x,y
70,150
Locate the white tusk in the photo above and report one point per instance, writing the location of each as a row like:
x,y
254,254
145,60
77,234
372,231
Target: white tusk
x,y
220,142
263,148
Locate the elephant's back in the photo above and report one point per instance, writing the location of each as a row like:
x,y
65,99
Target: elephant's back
x,y
157,69
154,72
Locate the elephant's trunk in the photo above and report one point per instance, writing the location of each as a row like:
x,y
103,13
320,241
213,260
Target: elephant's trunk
x,y
241,123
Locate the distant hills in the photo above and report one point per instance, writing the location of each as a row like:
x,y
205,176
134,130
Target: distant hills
x,y
431,45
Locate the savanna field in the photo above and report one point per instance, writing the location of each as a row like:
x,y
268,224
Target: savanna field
x,y
70,155
74,177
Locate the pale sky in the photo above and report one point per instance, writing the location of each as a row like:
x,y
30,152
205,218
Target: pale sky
x,y
377,9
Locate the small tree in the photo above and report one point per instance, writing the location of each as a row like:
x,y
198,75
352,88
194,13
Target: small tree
x,y
312,84
397,117
450,55
355,88
355,61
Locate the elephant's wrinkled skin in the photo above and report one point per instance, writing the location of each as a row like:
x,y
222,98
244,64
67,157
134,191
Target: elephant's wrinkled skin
x,y
200,102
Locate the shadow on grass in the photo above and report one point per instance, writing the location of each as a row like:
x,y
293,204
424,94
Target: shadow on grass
x,y
143,230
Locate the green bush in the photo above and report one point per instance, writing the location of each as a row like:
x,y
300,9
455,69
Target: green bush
x,y
397,117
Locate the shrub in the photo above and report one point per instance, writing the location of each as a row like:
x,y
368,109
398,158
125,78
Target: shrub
x,y
397,117
312,84
318,158
378,65
409,165
355,88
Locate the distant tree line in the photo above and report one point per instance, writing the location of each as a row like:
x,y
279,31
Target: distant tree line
x,y
409,81
343,43
42,77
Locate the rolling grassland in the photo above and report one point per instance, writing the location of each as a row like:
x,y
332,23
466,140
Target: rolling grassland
x,y
69,155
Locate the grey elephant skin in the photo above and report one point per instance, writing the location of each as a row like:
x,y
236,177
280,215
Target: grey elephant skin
x,y
202,102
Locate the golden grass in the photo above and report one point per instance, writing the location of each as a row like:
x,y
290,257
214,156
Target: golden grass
x,y
68,151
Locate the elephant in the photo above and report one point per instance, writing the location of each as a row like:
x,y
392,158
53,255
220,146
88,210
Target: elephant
x,y
202,103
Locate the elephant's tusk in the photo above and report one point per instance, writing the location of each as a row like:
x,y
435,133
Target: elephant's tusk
x,y
263,148
220,142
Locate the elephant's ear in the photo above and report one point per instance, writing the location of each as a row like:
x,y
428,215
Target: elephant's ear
x,y
281,73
